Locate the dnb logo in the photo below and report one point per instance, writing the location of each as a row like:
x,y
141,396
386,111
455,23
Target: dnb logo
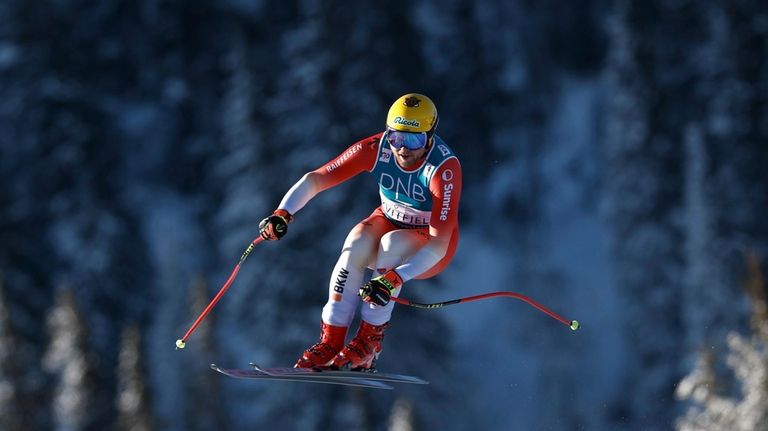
x,y
405,186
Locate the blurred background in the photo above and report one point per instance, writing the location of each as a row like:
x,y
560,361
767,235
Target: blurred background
x,y
614,157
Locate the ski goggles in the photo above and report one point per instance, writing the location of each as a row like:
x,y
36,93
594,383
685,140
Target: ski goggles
x,y
409,140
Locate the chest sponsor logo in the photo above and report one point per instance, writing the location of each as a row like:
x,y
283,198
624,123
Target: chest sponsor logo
x,y
443,150
407,186
401,214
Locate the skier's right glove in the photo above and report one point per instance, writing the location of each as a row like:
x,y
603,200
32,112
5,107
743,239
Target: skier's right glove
x,y
275,226
379,290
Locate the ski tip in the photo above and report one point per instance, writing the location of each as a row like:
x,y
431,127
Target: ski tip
x,y
575,325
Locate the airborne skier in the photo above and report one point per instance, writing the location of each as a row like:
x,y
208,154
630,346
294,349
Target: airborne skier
x,y
412,235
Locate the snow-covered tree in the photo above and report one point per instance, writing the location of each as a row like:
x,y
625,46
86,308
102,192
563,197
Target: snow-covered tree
x,y
203,409
713,408
735,400
64,146
703,292
403,416
69,360
642,201
11,384
133,405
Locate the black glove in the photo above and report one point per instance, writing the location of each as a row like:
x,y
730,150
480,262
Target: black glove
x,y
379,290
275,226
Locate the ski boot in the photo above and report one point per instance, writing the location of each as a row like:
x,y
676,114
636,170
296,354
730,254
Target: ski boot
x,y
361,353
321,354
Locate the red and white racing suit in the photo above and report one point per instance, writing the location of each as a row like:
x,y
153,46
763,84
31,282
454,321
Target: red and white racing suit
x,y
415,231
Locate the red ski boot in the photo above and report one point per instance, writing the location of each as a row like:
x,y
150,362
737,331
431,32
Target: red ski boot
x,y
322,353
361,353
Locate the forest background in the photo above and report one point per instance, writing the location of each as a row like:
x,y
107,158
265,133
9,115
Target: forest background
x,y
614,158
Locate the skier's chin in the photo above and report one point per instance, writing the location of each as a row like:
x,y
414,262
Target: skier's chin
x,y
406,161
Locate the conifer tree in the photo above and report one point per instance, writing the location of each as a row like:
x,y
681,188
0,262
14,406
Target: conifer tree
x,y
11,409
643,198
133,404
403,416
713,408
203,407
68,359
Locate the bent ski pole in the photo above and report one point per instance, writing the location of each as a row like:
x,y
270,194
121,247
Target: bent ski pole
x,y
573,324
182,342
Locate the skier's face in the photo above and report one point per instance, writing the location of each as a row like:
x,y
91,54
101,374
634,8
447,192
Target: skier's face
x,y
409,147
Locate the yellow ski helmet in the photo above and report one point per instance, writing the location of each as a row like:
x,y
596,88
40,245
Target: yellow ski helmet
x,y
413,112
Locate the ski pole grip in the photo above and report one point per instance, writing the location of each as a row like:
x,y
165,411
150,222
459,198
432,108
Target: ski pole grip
x,y
248,250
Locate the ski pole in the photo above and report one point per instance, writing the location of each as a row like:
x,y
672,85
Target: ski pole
x,y
182,342
573,324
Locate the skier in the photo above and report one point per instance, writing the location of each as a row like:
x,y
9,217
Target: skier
x,y
412,235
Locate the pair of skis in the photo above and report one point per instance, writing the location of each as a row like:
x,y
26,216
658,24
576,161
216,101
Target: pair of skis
x,y
372,380
364,379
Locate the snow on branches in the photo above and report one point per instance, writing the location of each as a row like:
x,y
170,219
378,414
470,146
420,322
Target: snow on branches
x,y
748,359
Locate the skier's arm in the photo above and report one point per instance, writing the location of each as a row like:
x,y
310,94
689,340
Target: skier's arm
x,y
359,157
445,187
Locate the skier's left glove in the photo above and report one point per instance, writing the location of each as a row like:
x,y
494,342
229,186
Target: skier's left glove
x,y
275,226
379,290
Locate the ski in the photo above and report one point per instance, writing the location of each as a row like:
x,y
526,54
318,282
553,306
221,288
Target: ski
x,y
259,375
329,374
